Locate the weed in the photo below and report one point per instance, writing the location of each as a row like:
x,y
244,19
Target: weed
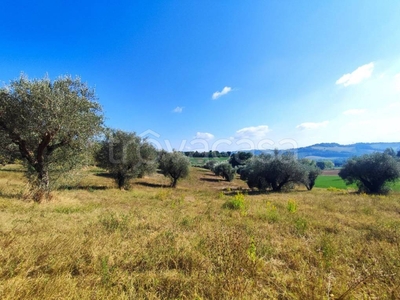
x,y
291,206
105,270
251,251
237,203
300,225
67,210
112,222
327,249
163,194
271,213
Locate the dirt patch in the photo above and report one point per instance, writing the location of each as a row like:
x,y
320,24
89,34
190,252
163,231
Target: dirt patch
x,y
330,172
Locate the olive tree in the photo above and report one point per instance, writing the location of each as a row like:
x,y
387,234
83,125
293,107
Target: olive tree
x,y
225,170
371,172
240,158
174,165
276,172
50,122
312,171
126,156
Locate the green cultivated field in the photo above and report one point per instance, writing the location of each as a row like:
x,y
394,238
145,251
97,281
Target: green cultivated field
x,y
327,181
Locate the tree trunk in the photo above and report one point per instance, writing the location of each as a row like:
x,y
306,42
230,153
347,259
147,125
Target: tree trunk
x,y
44,180
42,187
174,182
120,180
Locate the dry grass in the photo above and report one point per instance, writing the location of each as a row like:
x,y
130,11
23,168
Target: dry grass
x,y
93,241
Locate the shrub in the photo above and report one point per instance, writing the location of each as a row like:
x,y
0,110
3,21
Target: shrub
x,y
237,203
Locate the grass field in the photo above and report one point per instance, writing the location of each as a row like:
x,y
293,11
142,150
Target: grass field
x,y
206,239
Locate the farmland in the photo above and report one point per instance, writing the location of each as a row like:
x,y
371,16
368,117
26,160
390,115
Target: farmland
x,y
206,239
334,181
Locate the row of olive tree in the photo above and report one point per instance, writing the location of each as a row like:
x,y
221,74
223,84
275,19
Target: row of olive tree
x,y
52,127
127,156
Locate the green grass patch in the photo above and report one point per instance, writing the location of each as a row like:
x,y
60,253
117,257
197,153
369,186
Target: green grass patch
x,y
327,181
334,181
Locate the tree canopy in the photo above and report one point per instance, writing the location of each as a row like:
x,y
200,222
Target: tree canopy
x,y
126,156
174,165
240,158
51,124
225,170
371,172
279,172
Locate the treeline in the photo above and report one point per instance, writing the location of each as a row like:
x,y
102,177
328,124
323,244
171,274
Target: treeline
x,y
209,154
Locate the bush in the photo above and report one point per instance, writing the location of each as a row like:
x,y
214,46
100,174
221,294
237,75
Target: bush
x,y
224,170
237,203
371,172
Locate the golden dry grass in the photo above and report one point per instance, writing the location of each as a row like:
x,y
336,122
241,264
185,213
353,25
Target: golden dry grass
x,y
93,241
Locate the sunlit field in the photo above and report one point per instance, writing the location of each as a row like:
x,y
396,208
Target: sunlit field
x,y
334,181
206,239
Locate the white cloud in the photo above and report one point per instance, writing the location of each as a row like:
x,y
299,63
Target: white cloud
x,y
204,136
397,82
178,109
354,111
254,132
311,125
224,91
357,76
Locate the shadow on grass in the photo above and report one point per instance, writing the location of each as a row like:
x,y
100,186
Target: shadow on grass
x,y
13,170
17,196
104,174
84,187
212,179
233,192
153,185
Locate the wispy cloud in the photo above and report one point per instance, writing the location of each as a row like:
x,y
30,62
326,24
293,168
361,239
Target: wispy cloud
x,y
311,125
357,76
354,111
224,91
204,136
178,109
254,132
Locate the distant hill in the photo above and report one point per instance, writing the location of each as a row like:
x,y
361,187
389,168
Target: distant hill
x,y
336,152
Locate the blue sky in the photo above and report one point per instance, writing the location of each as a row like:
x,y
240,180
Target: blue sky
x,y
220,75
